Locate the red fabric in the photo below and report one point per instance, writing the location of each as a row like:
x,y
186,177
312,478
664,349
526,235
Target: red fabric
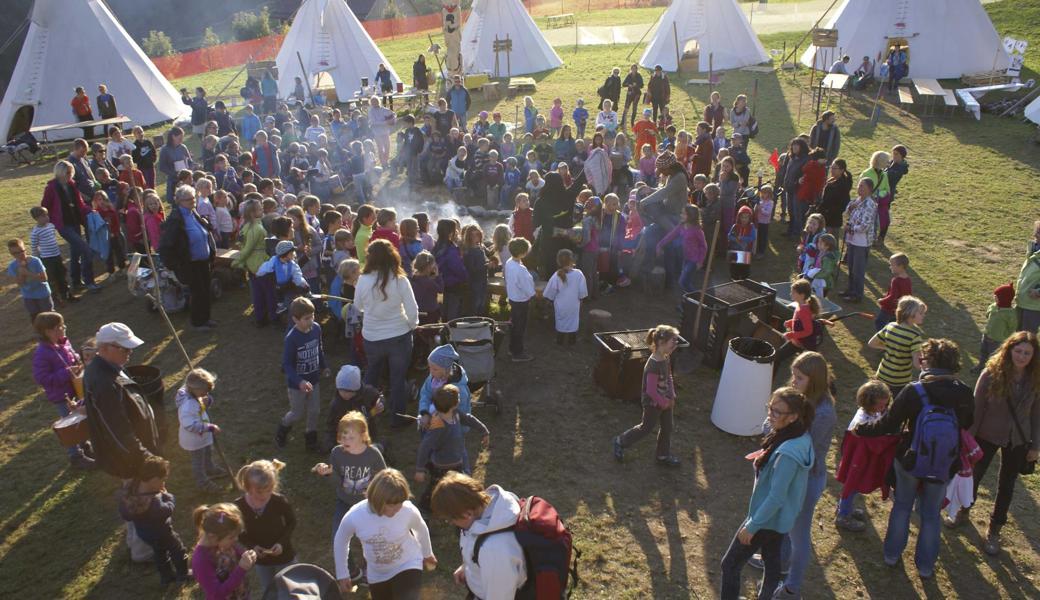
x,y
774,159
523,224
132,177
134,224
385,234
865,462
52,202
897,288
81,106
646,133
703,152
815,176
111,217
800,327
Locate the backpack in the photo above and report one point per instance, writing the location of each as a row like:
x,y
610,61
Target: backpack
x,y
813,341
547,548
936,442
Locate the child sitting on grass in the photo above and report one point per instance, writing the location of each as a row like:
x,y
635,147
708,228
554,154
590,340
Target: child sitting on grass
x,y
195,433
1001,322
220,563
443,447
864,460
145,502
268,519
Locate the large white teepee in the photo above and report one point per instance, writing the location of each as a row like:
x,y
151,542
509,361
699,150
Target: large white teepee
x,y
329,39
61,51
947,38
714,28
531,52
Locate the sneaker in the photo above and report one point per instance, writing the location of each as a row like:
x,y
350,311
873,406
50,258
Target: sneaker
x,y
891,562
619,450
783,593
755,562
93,287
849,524
926,573
992,544
623,282
82,463
859,514
668,461
521,357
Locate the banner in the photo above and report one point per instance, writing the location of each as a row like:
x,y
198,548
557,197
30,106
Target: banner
x,y
451,24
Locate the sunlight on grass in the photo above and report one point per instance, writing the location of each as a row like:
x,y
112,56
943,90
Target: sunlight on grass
x,y
94,568
12,410
53,504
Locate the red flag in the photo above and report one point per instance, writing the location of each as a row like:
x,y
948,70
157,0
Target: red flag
x,y
774,159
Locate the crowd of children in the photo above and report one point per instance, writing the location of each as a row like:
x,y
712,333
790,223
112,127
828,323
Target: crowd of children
x,y
270,194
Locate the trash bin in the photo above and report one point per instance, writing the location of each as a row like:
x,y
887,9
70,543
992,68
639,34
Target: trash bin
x,y
149,379
747,376
622,356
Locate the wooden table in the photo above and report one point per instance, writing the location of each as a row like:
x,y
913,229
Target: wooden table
x,y
838,82
928,90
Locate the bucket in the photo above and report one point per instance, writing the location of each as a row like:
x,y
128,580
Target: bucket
x,y
739,257
364,82
400,87
149,379
744,388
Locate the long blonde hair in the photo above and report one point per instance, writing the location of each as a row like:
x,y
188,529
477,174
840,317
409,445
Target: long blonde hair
x,y
259,474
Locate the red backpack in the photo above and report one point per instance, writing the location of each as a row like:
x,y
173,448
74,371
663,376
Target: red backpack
x,y
546,543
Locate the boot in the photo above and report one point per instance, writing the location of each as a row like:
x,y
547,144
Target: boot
x,y
992,544
82,463
282,435
310,440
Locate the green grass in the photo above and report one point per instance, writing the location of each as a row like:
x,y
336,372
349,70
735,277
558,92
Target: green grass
x,y
963,216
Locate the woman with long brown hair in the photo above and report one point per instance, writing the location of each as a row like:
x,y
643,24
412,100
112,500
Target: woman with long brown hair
x,y
1007,418
385,296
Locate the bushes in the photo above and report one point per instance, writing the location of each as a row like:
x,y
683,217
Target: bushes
x,y
157,44
250,26
210,38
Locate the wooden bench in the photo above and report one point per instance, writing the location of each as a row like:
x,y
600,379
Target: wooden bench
x,y
906,97
561,20
950,101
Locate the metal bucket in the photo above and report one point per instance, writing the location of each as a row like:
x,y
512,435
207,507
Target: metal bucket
x,y
739,257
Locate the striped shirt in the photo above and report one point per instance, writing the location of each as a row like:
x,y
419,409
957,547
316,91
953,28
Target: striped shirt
x,y
901,341
44,241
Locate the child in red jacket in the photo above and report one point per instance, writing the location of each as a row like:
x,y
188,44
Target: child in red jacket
x,y
864,460
814,176
900,286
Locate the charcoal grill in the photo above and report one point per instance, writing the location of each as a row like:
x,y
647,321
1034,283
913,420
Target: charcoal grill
x,y
622,356
725,315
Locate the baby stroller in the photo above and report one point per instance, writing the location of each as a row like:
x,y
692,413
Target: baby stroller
x,y
300,581
139,279
477,339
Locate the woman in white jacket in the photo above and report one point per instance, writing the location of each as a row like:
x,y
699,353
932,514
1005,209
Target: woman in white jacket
x,y
385,296
501,569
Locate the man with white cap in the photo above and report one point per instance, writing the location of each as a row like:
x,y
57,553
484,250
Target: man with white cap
x,y
122,425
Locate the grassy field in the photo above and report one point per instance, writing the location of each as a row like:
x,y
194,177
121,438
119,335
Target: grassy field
x,y
963,216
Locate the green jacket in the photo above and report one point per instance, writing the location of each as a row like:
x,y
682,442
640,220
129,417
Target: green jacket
x,y
1000,322
880,180
1028,279
253,251
828,269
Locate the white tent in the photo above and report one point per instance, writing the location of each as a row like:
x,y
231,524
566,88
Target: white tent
x,y
531,52
330,40
946,38
61,51
1032,111
711,28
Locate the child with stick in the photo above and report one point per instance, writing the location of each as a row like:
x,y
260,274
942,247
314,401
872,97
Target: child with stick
x,y
195,433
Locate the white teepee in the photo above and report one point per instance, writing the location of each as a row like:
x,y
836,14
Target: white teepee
x,y
1032,111
531,52
329,39
713,28
80,43
946,38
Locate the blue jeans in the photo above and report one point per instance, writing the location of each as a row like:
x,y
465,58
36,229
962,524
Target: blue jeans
x,y
883,318
81,265
847,505
687,278
397,353
929,502
857,258
798,542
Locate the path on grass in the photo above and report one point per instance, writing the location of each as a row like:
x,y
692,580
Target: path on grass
x,y
764,18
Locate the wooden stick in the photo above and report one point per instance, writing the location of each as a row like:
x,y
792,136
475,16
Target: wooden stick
x,y
157,298
306,78
704,284
223,459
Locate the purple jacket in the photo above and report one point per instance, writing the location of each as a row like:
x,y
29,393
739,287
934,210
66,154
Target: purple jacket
x,y
51,369
449,263
694,246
